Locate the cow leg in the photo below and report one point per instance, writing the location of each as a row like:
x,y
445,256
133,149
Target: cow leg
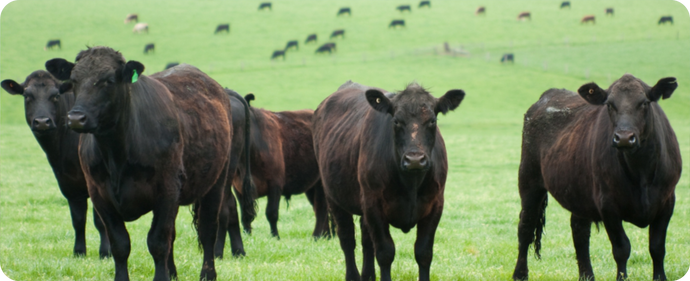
x,y
581,228
104,250
346,235
272,208
160,237
424,246
368,260
117,234
209,209
228,220
383,242
172,269
317,198
619,244
657,240
223,220
530,225
77,209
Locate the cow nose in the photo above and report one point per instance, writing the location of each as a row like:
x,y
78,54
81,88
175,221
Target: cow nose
x,y
76,120
42,124
624,139
415,161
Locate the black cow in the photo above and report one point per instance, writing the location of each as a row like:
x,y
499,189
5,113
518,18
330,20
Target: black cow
x,y
424,4
46,113
524,15
403,8
606,156
292,43
328,47
345,10
665,19
507,58
52,43
565,4
609,11
310,38
222,27
150,47
265,5
481,10
132,18
395,23
150,145
336,33
171,64
382,157
278,53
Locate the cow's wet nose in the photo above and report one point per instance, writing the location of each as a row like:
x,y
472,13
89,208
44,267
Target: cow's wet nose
x,y
76,120
42,124
415,161
624,139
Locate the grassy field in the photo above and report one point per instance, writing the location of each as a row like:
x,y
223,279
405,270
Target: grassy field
x,y
477,236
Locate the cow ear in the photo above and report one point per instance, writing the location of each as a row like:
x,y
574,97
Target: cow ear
x,y
663,89
450,101
59,68
65,87
131,72
12,87
593,94
379,101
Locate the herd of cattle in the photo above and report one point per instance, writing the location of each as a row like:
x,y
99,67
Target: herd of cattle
x,y
138,143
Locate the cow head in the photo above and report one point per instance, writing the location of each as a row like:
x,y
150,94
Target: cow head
x,y
100,79
41,101
413,122
628,102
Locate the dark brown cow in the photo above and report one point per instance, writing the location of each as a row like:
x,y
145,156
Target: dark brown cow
x,y
382,157
524,15
149,143
283,163
587,19
480,11
606,156
46,114
132,18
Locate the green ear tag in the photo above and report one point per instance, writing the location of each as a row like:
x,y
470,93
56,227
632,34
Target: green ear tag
x,y
135,76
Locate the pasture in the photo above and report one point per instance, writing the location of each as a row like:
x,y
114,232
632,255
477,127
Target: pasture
x,y
477,236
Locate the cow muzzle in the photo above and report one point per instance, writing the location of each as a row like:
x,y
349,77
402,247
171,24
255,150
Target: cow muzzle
x,y
76,120
625,139
42,124
415,162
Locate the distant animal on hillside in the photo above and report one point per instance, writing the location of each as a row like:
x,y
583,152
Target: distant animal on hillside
x,y
609,11
132,18
52,43
403,8
395,23
480,11
292,43
339,32
665,19
425,4
310,38
524,15
140,27
222,27
607,156
345,10
265,5
328,47
171,64
278,53
587,19
565,4
507,58
150,47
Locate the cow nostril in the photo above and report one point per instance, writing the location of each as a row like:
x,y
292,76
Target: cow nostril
x,y
633,139
616,138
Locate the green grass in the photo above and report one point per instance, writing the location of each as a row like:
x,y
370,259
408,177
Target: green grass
x,y
476,239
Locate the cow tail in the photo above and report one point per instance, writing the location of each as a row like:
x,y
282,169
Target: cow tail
x,y
248,196
540,227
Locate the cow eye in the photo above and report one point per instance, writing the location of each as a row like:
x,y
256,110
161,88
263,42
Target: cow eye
x,y
397,122
610,106
54,98
28,98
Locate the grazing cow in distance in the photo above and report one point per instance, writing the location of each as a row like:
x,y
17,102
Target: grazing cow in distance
x,y
149,47
403,8
507,58
150,144
565,4
328,47
45,110
171,65
587,19
609,11
278,53
524,15
52,43
336,33
425,4
607,156
382,157
222,27
292,43
395,23
345,10
665,19
480,11
310,38
139,27
265,5
132,18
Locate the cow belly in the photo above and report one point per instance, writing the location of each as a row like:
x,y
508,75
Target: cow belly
x,y
132,200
